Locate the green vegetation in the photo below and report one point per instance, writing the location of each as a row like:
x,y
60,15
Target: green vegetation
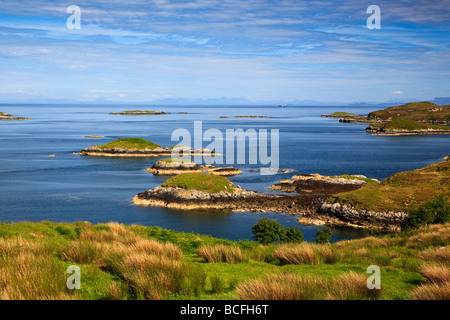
x,y
417,111
402,191
120,262
324,235
200,181
343,114
350,177
398,123
130,143
175,160
268,231
434,211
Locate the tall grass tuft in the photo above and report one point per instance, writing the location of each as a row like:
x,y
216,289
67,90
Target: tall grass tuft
x,y
29,271
305,253
436,273
221,253
291,286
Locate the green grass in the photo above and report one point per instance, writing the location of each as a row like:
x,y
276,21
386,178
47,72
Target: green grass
x,y
401,191
398,123
350,177
343,114
105,275
417,111
200,181
130,143
175,160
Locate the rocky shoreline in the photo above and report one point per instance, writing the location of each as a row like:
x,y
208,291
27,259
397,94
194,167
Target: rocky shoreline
x,y
5,116
318,184
177,166
343,215
156,152
309,202
380,131
239,200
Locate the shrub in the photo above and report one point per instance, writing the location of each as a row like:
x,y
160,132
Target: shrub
x,y
267,231
434,211
291,235
324,235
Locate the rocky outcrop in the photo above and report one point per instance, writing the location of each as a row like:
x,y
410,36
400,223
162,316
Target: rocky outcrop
x,y
222,171
5,116
337,214
239,200
318,184
178,166
381,131
156,152
167,167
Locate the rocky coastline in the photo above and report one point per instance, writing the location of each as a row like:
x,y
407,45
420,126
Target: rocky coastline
x,y
96,151
343,215
238,200
5,116
381,131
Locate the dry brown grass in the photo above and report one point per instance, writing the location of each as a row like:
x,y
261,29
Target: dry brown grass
x,y
291,286
287,286
221,253
433,291
168,250
435,273
153,276
81,252
305,253
440,254
29,271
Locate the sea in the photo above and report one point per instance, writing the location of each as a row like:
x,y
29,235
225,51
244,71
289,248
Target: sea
x,y
68,187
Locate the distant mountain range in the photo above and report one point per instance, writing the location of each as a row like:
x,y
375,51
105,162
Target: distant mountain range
x,y
228,101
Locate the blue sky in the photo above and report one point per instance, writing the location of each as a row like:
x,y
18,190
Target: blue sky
x,y
259,50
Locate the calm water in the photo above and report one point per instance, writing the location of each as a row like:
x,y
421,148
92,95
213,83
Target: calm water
x,y
35,187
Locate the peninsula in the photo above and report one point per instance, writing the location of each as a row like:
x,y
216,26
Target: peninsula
x,y
5,116
137,147
408,119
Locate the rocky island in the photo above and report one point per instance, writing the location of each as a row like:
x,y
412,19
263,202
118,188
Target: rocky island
x,y
174,166
318,184
198,191
408,119
5,116
138,113
137,147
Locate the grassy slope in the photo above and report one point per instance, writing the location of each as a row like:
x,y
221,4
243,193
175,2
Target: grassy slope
x,y
399,123
401,190
130,143
398,257
200,181
350,177
417,111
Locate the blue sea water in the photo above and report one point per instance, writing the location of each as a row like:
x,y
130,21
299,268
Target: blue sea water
x,y
68,187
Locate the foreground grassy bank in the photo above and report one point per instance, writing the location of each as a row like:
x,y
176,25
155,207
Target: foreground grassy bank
x,y
137,262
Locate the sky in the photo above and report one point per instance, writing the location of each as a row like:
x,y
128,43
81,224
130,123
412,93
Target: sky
x,y
256,50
